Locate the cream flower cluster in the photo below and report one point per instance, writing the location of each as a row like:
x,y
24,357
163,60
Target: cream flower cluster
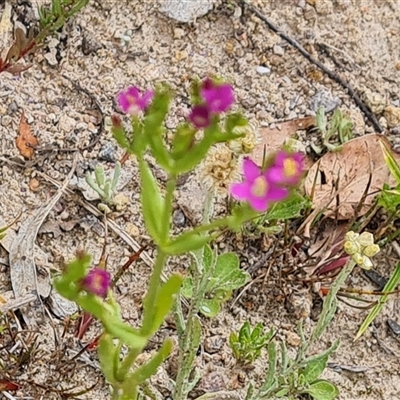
x,y
361,248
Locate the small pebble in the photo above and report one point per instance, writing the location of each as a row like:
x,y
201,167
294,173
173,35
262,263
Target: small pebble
x,y
324,98
278,50
34,185
263,70
108,153
178,218
213,344
392,115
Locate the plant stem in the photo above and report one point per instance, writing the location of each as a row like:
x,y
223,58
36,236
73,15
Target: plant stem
x,y
126,363
188,347
329,308
169,197
152,291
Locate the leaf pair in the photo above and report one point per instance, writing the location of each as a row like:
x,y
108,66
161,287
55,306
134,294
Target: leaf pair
x,y
222,275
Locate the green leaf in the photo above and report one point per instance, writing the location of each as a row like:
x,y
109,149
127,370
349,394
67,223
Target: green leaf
x,y
210,307
187,287
270,380
390,160
288,209
227,274
281,393
164,301
322,390
124,332
120,136
389,287
153,126
144,372
315,367
106,352
186,242
152,203
389,199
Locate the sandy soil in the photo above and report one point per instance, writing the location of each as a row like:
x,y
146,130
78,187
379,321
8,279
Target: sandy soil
x,y
111,45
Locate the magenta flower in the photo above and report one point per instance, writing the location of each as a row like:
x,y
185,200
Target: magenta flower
x,y
257,188
200,116
218,98
131,101
287,168
97,281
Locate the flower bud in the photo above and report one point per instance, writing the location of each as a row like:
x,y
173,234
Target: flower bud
x,y
366,239
351,247
371,250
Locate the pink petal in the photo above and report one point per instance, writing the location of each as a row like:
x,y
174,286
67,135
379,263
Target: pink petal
x,y
240,190
251,170
259,204
276,193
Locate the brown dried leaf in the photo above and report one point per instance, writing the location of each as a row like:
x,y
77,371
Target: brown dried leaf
x,y
345,174
15,69
25,140
5,384
13,53
274,138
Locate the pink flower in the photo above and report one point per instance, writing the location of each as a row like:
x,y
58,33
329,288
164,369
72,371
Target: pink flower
x,y
131,101
287,168
218,98
200,116
97,281
257,188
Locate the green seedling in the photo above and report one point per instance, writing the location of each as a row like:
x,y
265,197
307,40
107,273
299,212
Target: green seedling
x,y
339,128
105,186
221,275
247,344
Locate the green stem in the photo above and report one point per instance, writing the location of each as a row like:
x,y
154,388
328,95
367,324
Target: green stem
x,y
329,308
186,346
154,285
187,350
126,364
168,201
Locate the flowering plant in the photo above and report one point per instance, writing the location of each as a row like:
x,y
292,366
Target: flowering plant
x,y
209,123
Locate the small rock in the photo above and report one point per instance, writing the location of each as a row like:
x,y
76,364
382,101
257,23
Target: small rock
x,y
186,10
213,382
293,339
179,33
66,124
392,115
263,70
6,120
34,185
108,152
374,101
278,50
324,98
213,344
12,108
178,218
120,201
51,58
132,229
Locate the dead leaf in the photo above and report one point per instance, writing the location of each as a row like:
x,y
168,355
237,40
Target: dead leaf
x,y
5,384
344,175
274,138
25,140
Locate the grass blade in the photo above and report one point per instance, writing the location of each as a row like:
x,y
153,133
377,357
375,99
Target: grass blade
x,y
389,287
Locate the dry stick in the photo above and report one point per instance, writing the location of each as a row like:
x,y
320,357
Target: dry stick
x,y
364,108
